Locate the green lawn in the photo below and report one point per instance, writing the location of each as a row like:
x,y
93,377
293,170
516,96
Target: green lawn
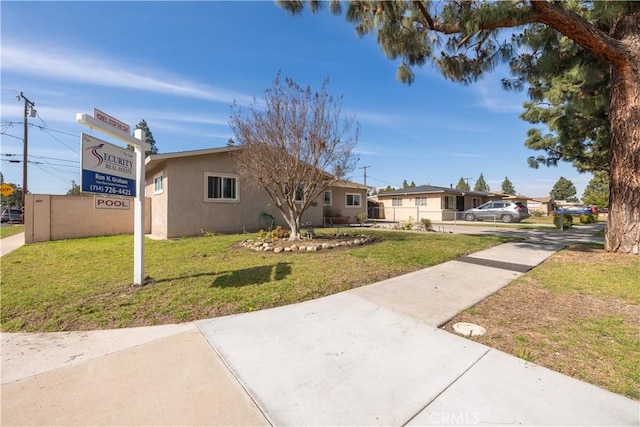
x,y
86,283
10,230
577,313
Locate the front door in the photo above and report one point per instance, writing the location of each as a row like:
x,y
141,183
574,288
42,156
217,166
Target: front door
x,y
459,203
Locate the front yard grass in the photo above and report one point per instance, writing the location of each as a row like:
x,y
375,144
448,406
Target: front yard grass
x,y
10,230
578,313
85,284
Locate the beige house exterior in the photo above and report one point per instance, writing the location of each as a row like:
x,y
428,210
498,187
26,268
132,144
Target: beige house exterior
x,y
546,205
196,191
426,201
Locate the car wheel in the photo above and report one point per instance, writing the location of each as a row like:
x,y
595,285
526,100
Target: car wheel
x,y
469,217
507,218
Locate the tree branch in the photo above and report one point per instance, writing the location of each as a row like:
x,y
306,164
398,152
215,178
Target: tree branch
x,y
581,31
521,18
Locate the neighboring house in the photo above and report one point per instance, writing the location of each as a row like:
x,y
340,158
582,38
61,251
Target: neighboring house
x,y
546,205
195,191
427,201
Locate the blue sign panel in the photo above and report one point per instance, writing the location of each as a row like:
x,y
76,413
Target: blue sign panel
x,y
107,169
96,182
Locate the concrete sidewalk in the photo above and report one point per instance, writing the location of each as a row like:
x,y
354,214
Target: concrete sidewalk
x,y
368,356
11,243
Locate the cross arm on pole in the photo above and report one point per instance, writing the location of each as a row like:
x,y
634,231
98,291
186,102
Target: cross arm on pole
x,y
93,123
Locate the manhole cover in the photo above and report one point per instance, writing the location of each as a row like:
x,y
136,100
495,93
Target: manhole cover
x,y
469,329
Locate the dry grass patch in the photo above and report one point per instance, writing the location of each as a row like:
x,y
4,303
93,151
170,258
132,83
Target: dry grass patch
x,y
578,313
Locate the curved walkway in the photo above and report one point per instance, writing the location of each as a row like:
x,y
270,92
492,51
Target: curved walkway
x,y
369,356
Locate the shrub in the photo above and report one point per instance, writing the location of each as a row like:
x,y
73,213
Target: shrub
x,y
275,234
588,218
566,219
537,214
409,224
280,233
361,218
427,223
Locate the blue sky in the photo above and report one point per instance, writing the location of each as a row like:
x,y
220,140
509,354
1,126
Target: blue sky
x,y
180,65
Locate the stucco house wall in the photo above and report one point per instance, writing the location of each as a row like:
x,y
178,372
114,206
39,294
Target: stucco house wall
x,y
413,204
182,207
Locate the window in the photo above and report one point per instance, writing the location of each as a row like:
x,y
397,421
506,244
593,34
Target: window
x,y
299,193
353,200
475,202
221,187
396,201
157,184
421,201
448,202
327,198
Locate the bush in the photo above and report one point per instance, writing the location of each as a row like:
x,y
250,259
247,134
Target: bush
x,y
537,214
566,219
275,234
361,218
588,218
427,223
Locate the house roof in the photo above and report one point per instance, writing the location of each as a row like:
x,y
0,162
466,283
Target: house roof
x,y
155,159
543,199
430,189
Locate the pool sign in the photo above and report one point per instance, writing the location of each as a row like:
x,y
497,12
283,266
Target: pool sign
x,y
107,169
111,203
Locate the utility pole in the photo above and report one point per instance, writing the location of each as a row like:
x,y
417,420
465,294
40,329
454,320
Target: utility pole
x,y
365,173
28,111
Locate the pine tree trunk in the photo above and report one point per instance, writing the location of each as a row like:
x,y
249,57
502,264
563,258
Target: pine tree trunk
x,y
623,230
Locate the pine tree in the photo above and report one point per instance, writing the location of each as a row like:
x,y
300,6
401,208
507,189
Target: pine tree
x,y
564,189
148,138
405,184
481,185
578,57
412,185
463,185
596,193
507,187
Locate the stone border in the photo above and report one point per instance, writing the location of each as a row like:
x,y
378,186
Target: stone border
x,y
312,245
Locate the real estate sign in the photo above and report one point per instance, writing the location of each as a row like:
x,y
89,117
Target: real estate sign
x,y
107,168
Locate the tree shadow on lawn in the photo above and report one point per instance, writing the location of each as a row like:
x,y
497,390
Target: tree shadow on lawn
x,y
253,275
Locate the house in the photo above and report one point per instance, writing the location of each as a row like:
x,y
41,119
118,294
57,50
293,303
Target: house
x,y
546,205
195,191
427,201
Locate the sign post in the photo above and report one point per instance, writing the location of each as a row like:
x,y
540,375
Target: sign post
x,y
120,164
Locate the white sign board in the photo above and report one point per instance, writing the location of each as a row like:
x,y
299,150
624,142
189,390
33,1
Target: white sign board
x,y
106,168
111,203
112,121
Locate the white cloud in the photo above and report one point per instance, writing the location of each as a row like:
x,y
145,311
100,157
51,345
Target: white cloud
x,y
491,96
93,69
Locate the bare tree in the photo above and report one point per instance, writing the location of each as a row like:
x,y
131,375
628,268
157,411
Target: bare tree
x,y
295,145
